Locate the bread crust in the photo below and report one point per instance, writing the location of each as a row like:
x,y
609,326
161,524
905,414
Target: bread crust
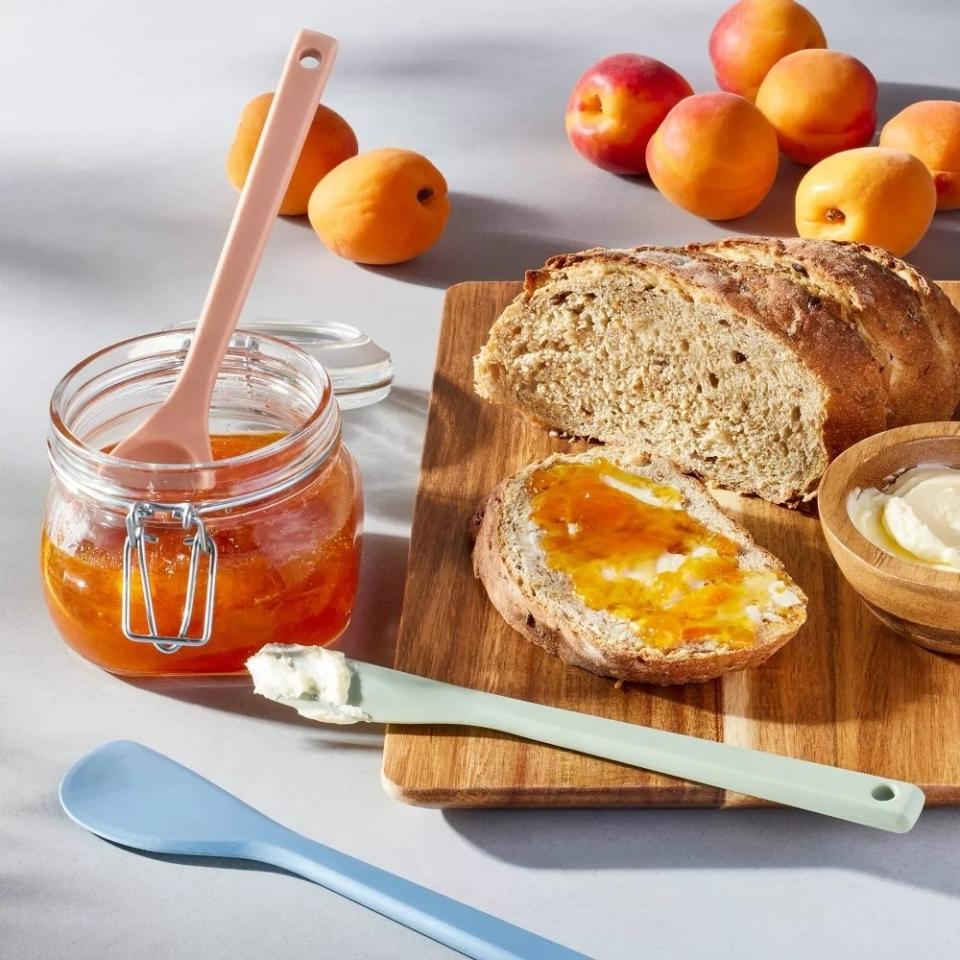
x,y
552,631
941,315
892,317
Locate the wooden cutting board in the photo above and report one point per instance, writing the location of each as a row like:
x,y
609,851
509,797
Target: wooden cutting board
x,y
844,691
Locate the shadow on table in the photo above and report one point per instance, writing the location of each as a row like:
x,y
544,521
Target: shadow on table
x,y
774,217
936,253
105,225
215,863
712,840
485,239
893,96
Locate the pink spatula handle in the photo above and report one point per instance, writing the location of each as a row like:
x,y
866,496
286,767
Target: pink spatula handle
x,y
294,104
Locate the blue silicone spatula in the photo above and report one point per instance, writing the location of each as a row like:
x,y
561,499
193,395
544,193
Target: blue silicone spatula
x,y
132,795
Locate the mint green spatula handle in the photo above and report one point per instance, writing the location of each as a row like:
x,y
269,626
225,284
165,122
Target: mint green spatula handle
x,y
847,794
390,696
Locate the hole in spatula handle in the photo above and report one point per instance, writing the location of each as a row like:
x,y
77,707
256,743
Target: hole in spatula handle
x,y
310,59
883,792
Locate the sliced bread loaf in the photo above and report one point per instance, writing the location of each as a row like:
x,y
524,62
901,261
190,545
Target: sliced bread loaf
x,y
751,363
626,567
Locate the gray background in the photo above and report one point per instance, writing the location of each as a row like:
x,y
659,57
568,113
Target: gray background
x,y
114,123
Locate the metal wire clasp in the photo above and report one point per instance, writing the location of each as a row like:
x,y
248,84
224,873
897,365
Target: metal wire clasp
x,y
200,543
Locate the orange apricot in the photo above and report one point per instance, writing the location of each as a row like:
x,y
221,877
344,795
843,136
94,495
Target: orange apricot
x,y
930,130
330,141
714,155
384,206
819,102
753,35
872,195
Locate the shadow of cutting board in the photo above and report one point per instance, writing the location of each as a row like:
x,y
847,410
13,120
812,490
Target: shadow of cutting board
x,y
844,691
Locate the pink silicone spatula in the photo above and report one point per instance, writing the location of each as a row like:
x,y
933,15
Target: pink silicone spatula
x,y
178,430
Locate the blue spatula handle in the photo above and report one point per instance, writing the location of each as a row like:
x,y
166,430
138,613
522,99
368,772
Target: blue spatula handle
x,y
130,794
454,924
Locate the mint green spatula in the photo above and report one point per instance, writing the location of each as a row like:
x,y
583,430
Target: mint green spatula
x,y
324,685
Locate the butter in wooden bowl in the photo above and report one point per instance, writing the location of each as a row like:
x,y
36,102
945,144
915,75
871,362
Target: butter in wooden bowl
x,y
917,517
890,509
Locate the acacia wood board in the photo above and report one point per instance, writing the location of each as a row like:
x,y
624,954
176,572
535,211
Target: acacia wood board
x,y
845,691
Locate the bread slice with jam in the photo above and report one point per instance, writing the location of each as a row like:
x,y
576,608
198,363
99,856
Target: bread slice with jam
x,y
624,566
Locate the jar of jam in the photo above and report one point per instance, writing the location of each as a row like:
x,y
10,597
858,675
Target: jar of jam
x,y
154,569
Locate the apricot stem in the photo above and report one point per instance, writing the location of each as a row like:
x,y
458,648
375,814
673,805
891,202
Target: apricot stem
x,y
834,215
424,194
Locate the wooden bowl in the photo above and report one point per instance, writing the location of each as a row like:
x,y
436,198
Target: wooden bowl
x,y
919,602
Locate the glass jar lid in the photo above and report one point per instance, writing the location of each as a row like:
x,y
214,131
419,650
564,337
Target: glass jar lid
x,y
360,370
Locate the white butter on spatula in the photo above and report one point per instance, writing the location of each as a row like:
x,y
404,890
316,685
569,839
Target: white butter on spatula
x,y
312,680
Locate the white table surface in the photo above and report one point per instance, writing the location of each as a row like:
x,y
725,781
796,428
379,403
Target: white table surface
x,y
114,122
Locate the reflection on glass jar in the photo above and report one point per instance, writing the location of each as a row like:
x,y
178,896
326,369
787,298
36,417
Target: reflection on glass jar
x,y
277,514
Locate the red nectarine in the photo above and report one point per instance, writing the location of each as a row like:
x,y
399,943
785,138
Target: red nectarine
x,y
617,105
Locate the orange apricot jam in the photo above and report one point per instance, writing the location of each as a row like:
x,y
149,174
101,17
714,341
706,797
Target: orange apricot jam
x,y
287,571
630,549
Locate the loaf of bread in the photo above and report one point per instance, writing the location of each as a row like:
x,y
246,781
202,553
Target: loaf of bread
x,y
750,362
626,567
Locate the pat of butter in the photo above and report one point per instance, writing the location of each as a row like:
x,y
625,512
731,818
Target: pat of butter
x,y
317,679
670,562
643,494
782,595
915,518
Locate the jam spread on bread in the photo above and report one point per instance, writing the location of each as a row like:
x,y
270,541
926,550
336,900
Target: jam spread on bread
x,y
631,550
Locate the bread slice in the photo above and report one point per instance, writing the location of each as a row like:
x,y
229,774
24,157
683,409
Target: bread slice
x,y
751,363
539,597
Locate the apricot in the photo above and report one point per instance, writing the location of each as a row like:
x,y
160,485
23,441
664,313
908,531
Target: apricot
x,y
330,141
872,195
819,102
714,155
930,130
753,35
384,206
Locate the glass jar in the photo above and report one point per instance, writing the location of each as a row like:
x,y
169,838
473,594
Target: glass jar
x,y
154,569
